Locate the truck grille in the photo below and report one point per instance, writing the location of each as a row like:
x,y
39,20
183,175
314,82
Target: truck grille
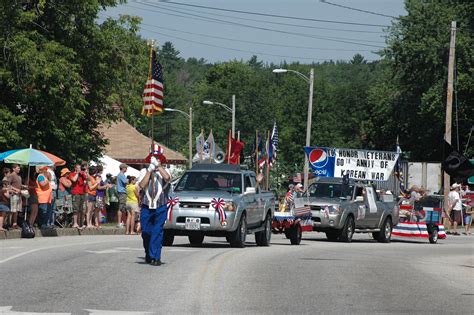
x,y
194,205
316,208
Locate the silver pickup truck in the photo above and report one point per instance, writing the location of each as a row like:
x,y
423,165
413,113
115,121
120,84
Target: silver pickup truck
x,y
247,209
341,209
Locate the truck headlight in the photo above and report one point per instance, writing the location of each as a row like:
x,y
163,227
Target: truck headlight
x,y
230,206
334,209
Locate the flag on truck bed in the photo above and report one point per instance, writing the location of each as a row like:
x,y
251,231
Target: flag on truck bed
x,y
153,92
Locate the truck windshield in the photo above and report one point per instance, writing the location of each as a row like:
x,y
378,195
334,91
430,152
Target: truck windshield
x,y
330,190
210,181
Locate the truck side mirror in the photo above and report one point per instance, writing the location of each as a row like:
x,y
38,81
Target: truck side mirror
x,y
250,190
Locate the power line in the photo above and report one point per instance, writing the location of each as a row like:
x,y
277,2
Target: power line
x,y
252,42
247,25
360,10
276,30
280,23
235,49
274,15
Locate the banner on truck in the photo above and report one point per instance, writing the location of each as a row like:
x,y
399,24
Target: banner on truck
x,y
357,164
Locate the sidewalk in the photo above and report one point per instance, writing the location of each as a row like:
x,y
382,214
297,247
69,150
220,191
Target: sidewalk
x,y
12,234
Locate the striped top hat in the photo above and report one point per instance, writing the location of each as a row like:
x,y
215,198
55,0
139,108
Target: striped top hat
x,y
157,152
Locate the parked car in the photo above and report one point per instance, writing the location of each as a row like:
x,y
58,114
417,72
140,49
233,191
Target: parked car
x,y
342,209
247,209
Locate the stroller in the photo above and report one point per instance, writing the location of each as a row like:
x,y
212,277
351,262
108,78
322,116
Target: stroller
x,y
63,212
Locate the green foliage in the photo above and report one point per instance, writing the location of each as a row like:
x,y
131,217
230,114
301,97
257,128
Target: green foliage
x,y
60,73
418,55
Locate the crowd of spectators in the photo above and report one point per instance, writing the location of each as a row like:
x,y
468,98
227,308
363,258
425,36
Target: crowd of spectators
x,y
82,198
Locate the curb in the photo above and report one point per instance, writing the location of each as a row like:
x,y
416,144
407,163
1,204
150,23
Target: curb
x,y
14,234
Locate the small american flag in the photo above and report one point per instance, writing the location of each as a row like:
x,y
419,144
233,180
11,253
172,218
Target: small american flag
x,y
153,93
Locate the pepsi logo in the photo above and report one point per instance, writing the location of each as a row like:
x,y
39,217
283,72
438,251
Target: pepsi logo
x,y
318,158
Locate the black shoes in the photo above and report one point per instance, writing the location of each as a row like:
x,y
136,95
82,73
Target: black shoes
x,y
148,259
155,262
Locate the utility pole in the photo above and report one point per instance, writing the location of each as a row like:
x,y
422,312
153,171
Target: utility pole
x,y
449,103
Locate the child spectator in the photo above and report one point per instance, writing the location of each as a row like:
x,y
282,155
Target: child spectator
x,y
4,202
131,205
100,196
33,199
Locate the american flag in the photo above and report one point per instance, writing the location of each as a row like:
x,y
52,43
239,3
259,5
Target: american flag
x,y
273,145
153,93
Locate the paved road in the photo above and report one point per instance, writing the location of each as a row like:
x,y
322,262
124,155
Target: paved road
x,y
96,274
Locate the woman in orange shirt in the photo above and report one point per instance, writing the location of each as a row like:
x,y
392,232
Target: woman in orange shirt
x,y
91,191
44,193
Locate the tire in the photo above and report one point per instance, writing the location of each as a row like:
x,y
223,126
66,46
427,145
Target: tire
x,y
385,233
196,239
348,230
295,235
237,238
433,236
263,238
168,238
333,235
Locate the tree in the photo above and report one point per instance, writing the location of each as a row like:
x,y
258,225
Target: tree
x,y
418,55
60,75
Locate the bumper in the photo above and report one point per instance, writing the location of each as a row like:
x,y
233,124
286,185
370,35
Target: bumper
x,y
209,220
322,221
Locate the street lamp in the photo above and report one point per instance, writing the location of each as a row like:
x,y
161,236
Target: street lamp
x,y
231,110
190,117
310,81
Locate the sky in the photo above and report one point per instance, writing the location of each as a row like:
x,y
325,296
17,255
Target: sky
x,y
222,35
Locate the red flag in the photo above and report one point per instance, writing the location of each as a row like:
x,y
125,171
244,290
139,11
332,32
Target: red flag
x,y
234,147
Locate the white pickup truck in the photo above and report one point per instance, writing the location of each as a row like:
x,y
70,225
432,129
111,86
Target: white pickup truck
x,y
247,209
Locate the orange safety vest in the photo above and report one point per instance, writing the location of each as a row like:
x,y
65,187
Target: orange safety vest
x,y
44,193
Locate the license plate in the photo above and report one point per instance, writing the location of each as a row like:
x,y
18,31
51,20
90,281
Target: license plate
x,y
192,224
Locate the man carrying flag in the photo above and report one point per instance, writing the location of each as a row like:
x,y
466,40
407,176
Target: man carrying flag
x,y
153,93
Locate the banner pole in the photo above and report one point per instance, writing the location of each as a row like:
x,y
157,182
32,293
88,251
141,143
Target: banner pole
x,y
268,160
256,151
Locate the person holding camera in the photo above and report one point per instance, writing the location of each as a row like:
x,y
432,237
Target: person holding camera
x,y
78,190
154,189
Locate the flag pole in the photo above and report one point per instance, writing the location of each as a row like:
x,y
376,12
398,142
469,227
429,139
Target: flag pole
x,y
268,160
256,151
152,44
229,146
211,148
238,139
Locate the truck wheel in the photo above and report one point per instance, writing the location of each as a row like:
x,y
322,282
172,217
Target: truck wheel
x,y
237,238
333,235
434,236
385,233
348,230
196,239
168,238
262,238
296,234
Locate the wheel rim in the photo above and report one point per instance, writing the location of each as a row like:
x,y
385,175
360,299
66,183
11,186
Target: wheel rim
x,y
388,230
350,229
435,236
268,228
243,230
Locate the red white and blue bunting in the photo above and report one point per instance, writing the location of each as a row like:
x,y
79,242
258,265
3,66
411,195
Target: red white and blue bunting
x,y
219,204
170,205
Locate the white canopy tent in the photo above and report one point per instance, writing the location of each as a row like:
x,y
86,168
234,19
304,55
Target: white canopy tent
x,y
111,166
